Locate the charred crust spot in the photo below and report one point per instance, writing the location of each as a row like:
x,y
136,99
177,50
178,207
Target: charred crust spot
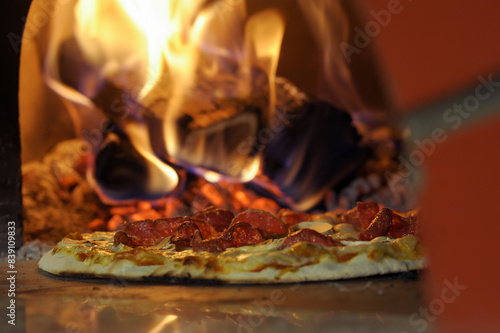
x,y
345,257
192,261
55,249
141,257
308,250
271,265
213,265
81,256
74,236
375,255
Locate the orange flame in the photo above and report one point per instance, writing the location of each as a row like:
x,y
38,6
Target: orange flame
x,y
162,54
330,26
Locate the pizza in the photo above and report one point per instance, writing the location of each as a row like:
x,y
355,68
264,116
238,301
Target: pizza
x,y
253,246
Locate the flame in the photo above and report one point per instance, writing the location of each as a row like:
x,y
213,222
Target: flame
x,y
221,51
330,26
124,38
265,32
188,82
179,62
140,139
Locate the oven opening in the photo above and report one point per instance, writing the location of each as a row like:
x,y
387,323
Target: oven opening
x,y
131,111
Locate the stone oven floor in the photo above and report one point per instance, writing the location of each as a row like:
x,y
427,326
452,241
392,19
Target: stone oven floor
x,y
46,303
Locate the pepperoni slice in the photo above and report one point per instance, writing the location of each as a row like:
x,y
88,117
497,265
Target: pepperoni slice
x,y
362,215
181,244
148,232
162,227
186,230
219,218
352,217
270,225
308,235
241,234
403,226
367,212
207,230
292,218
214,244
379,226
121,238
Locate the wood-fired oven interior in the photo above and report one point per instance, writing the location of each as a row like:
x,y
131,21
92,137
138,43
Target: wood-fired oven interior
x,y
318,152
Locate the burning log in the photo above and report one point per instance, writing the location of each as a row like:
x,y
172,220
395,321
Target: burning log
x,y
319,149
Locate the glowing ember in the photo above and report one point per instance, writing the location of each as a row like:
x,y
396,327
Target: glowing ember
x,y
197,196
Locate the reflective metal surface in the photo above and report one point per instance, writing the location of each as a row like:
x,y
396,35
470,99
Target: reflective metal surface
x,y
45,303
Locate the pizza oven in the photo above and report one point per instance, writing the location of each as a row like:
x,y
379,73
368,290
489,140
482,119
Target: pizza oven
x,y
253,110
127,111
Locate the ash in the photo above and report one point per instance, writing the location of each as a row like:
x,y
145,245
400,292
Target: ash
x,y
34,249
56,196
381,180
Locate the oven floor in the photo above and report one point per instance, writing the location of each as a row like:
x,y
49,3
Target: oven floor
x,y
45,303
